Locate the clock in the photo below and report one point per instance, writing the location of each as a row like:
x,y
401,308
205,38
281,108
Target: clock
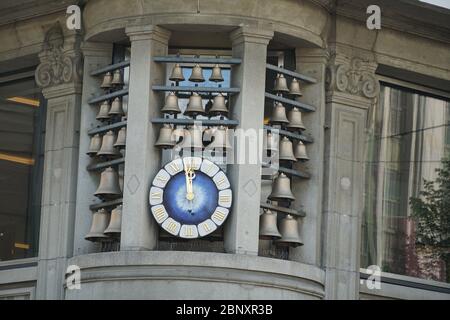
x,y
190,197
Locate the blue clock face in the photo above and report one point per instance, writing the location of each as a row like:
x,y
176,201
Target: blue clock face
x,y
190,197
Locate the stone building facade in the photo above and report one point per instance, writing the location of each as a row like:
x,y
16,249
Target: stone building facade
x,y
346,68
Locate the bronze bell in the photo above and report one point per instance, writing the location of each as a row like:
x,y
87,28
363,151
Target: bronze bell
x,y
221,140
219,106
270,142
107,79
281,188
166,138
107,148
177,73
109,184
192,138
289,232
117,78
116,107
279,114
286,150
300,151
268,226
216,74
197,74
94,145
99,223
121,138
294,88
195,105
103,113
171,104
115,223
280,84
295,119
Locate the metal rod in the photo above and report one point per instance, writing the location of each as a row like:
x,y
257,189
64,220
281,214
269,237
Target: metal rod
x,y
106,164
290,73
298,136
175,59
205,122
118,93
196,89
302,106
112,67
293,172
298,213
106,128
111,203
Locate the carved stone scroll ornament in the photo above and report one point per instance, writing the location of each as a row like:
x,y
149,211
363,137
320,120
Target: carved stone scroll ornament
x,y
58,64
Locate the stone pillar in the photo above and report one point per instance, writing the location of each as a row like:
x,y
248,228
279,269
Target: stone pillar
x,y
142,159
59,76
96,55
242,227
351,89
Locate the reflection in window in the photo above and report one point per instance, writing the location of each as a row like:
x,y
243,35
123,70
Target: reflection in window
x,y
408,139
21,154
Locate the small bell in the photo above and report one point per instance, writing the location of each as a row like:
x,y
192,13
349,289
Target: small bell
x,y
177,73
103,113
281,188
195,105
270,142
295,120
216,74
219,107
286,150
107,78
280,84
121,138
116,108
192,138
300,151
294,88
166,138
107,148
99,223
289,232
94,145
109,185
117,78
268,226
197,74
115,223
221,140
171,104
279,114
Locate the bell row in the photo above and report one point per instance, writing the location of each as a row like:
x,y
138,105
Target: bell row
x,y
105,226
108,145
285,148
195,105
196,74
293,120
112,80
286,235
109,110
281,86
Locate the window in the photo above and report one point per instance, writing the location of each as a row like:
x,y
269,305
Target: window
x,y
22,116
408,139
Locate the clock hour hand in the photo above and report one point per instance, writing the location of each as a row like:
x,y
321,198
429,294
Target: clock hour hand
x,y
190,175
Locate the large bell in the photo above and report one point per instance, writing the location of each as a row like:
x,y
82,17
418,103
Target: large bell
x,y
197,74
281,188
121,138
295,119
195,105
289,232
166,138
117,78
103,112
286,150
115,223
221,140
116,108
280,84
107,79
171,104
216,74
270,142
300,151
192,138
177,73
107,148
99,223
279,114
109,184
294,88
219,107
94,145
268,226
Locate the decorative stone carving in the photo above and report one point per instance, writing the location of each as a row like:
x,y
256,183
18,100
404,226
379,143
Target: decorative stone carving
x,y
355,76
61,60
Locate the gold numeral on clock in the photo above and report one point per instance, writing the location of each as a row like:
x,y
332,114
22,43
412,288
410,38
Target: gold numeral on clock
x,y
224,198
159,213
171,226
220,182
206,227
156,195
189,232
161,178
174,166
219,215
